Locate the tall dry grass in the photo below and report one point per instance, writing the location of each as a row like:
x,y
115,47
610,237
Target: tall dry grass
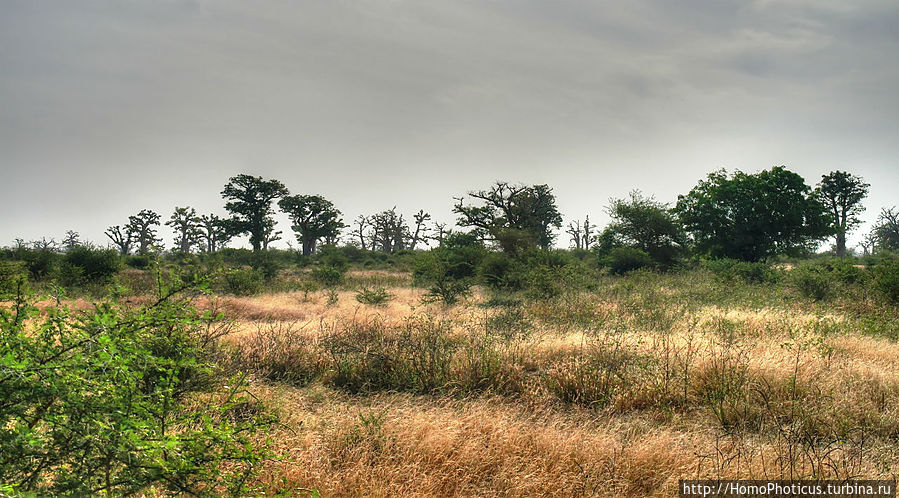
x,y
619,391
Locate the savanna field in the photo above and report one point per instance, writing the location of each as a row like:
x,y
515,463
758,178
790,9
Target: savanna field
x,y
575,381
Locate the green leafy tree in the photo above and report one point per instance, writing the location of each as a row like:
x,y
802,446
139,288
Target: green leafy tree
x,y
213,232
646,224
186,224
753,216
142,228
842,193
313,217
249,200
516,217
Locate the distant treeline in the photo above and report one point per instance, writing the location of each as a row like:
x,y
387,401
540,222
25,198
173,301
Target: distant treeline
x,y
749,217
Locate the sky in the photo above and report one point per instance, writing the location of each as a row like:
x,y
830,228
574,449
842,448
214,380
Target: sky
x,y
110,107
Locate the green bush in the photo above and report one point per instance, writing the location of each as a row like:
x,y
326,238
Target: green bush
x,y
86,265
447,274
13,279
621,260
329,275
813,281
141,262
243,281
886,279
374,296
499,271
733,270
100,403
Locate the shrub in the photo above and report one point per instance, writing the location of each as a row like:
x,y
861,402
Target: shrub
x,y
328,275
140,262
243,281
621,260
85,265
12,279
732,270
886,279
499,271
100,403
374,296
812,281
446,277
542,282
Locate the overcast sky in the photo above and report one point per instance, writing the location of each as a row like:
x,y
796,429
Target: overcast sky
x,y
110,107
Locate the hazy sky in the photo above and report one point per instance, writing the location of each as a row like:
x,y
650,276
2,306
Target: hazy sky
x,y
110,107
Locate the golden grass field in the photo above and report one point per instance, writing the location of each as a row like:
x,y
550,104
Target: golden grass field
x,y
619,391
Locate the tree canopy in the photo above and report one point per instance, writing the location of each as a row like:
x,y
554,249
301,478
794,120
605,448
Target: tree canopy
x,y
646,224
249,200
753,216
842,193
514,216
313,218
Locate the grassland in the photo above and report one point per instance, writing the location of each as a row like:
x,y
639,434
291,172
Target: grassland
x,y
619,387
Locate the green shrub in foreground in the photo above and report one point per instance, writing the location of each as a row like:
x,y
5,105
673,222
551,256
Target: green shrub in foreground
x,y
106,402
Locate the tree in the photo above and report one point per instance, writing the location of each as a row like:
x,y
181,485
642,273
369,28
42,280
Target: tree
x,y
142,228
71,240
186,224
581,233
269,234
313,217
514,216
887,229
646,224
249,200
361,223
212,232
752,217
842,193
421,230
389,233
121,237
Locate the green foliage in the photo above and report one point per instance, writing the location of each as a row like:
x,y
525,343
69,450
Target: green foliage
x,y
40,263
313,217
249,200
374,296
328,275
243,281
886,279
813,281
886,229
517,217
501,272
13,279
139,261
842,195
646,224
621,260
447,273
108,402
733,270
83,265
752,217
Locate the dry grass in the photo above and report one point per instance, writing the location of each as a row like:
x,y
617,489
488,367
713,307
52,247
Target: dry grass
x,y
594,395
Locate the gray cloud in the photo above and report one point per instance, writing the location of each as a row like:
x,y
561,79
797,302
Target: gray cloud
x,y
110,107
